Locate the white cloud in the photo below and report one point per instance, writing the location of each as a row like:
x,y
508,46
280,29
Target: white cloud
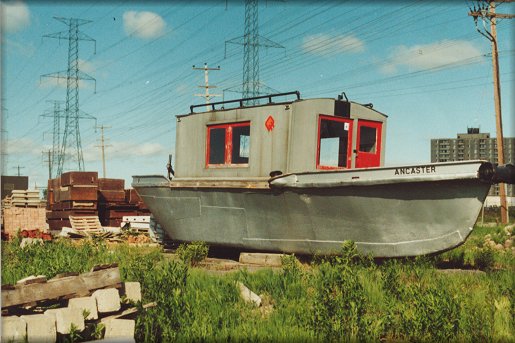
x,y
122,150
20,146
143,24
324,44
86,67
432,55
15,16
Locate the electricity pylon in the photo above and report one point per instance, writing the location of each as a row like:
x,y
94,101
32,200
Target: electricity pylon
x,y
251,41
58,113
71,135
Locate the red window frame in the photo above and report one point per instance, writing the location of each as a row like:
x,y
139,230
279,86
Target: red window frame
x,y
349,141
228,144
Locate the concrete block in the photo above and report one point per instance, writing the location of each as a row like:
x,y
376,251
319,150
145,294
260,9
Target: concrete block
x,y
248,296
40,328
14,329
264,259
120,328
133,291
85,304
65,317
108,300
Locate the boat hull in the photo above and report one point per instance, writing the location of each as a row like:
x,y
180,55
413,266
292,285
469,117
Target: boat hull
x,y
391,219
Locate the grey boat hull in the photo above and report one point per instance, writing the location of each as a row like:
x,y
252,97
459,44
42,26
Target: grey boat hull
x,y
385,214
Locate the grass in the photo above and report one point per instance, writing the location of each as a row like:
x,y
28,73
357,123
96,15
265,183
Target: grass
x,y
338,299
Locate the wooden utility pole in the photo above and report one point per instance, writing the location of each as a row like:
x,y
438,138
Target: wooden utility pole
x,y
491,35
103,146
206,84
19,167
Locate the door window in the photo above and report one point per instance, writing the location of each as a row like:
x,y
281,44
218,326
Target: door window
x,y
334,142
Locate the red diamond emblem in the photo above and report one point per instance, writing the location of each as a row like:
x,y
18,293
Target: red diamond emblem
x,y
270,123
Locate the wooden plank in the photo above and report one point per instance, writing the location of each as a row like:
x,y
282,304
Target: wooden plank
x,y
81,285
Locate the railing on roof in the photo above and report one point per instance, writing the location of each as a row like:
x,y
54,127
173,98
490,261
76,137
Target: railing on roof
x,y
241,101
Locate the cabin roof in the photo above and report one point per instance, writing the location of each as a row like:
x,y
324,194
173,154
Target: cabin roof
x,y
270,103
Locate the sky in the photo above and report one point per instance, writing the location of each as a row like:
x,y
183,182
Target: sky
x,y
420,62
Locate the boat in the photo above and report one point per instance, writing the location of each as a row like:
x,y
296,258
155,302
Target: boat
x,y
279,173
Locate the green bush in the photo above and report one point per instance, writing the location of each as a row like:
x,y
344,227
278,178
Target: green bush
x,y
485,258
166,286
192,253
339,302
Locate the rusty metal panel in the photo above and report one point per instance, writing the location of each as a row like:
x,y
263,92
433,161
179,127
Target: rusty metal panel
x,y
76,178
111,196
76,193
65,214
111,184
71,205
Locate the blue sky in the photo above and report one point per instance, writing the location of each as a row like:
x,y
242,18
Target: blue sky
x,y
422,63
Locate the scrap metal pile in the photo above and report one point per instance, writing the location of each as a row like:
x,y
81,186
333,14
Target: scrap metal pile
x,y
85,194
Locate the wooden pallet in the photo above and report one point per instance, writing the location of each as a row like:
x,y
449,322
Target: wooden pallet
x,y
87,223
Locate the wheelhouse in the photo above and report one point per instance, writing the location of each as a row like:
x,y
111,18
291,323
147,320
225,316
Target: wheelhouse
x,y
285,136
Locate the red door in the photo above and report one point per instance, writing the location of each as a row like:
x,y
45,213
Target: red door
x,y
368,146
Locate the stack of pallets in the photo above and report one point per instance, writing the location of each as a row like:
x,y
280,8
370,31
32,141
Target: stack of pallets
x,y
71,194
25,198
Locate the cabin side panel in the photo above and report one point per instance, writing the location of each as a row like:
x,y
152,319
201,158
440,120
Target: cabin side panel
x,y
304,133
267,142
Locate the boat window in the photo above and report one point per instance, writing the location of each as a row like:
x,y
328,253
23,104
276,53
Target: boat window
x,y
333,143
240,144
228,144
367,141
217,145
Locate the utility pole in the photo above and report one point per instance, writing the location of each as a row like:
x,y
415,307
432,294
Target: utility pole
x,y
206,84
488,13
19,167
103,146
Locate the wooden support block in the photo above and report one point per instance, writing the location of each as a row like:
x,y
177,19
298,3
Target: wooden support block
x,y
82,284
263,259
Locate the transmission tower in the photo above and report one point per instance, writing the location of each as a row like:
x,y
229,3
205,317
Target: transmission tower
x,y
251,41
58,113
71,147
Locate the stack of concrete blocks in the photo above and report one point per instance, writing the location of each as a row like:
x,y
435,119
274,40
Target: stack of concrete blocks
x,y
45,327
19,218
